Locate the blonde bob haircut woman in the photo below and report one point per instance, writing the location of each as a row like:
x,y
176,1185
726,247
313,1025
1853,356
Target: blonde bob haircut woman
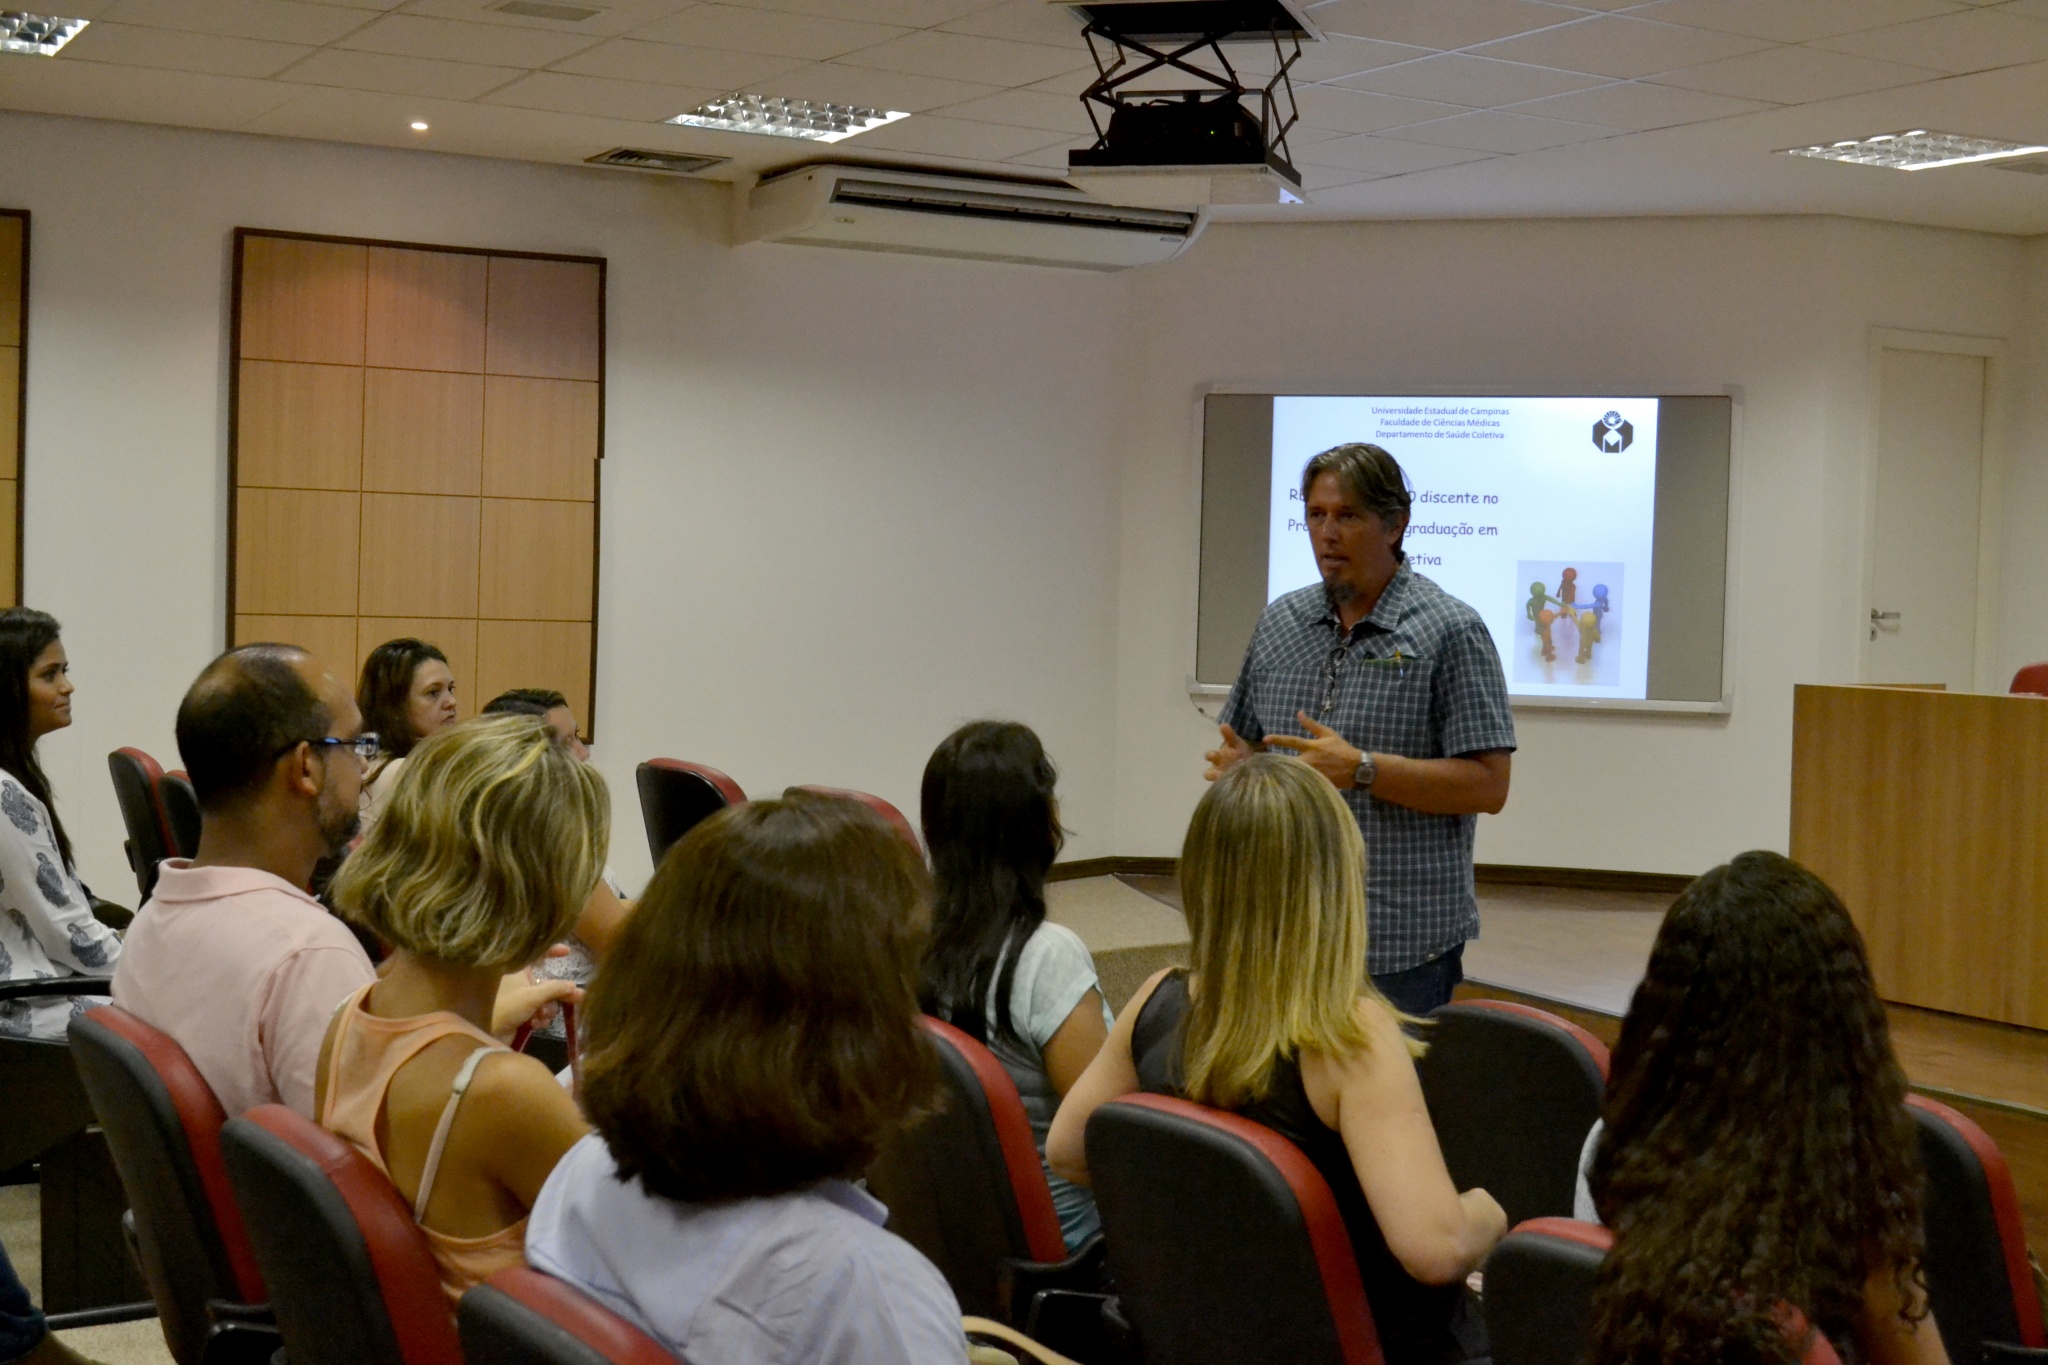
x,y
493,838
1273,877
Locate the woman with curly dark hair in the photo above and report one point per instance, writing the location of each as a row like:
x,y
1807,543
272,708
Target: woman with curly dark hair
x,y
1757,1155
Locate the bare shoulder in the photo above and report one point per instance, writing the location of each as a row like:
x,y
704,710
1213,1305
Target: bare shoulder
x,y
515,1079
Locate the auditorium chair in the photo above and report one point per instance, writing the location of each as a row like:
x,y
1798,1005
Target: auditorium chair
x,y
181,808
966,1187
138,790
163,1124
1512,1091
522,1317
1539,1296
1225,1243
351,1278
676,796
2031,680
904,829
1978,1281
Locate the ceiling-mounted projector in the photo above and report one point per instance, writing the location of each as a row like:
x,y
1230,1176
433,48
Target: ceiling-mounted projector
x,y
1175,124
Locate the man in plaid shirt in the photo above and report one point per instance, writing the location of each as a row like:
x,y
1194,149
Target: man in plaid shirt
x,y
1391,688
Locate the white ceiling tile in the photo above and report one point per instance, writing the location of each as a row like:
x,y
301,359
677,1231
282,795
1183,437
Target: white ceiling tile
x,y
1792,21
963,57
128,45
2032,9
634,101
1795,75
1637,107
612,17
1382,155
380,71
1618,45
842,84
1335,57
735,28
1027,109
1355,111
909,13
628,59
410,35
1072,83
1475,82
1053,158
103,90
1975,40
1493,131
932,135
1322,179
1439,24
280,21
1027,21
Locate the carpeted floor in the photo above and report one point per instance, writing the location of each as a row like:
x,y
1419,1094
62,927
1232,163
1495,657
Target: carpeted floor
x,y
122,1343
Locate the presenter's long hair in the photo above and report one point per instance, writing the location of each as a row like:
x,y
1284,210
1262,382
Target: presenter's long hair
x,y
993,829
1273,878
1757,1152
24,634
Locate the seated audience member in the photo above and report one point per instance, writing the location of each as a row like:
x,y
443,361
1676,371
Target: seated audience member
x,y
995,967
1276,1020
407,692
25,1335
749,1047
231,956
47,927
1757,1154
487,850
546,703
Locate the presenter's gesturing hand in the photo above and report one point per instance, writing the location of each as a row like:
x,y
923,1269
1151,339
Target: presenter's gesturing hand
x,y
1229,752
1324,750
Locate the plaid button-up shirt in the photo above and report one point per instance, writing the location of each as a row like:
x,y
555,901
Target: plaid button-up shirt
x,y
1418,677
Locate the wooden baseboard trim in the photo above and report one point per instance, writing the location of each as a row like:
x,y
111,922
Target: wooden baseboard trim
x,y
1579,878
1110,867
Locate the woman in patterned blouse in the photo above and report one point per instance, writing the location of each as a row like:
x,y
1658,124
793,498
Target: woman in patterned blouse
x,y
47,927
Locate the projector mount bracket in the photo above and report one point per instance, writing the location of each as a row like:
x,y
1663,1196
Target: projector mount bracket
x,y
1136,43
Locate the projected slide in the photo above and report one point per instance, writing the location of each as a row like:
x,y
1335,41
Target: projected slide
x,y
1537,511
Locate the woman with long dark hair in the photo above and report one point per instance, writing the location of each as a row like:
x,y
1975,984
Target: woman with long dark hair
x,y
407,692
46,922
995,967
1757,1156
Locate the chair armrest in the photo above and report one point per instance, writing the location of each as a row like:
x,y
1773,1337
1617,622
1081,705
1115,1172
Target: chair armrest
x,y
983,1331
1018,1282
2004,1353
115,916
56,985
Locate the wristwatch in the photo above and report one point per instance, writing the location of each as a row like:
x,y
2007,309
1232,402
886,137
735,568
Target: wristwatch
x,y
1362,779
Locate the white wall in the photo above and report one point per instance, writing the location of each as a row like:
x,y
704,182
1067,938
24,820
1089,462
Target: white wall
x,y
849,500
1779,307
2026,527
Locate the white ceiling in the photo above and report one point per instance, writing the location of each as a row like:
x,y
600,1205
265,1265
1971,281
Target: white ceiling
x,y
1409,108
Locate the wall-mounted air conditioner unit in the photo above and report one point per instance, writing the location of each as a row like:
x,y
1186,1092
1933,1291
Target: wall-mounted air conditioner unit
x,y
868,208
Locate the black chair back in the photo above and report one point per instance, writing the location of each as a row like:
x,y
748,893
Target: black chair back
x,y
138,779
1978,1281
1539,1291
1512,1092
181,812
522,1317
675,797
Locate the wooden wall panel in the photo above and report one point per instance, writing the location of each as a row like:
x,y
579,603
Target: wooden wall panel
x,y
423,432
544,319
302,300
535,654
455,637
540,438
536,560
10,503
13,253
330,639
419,555
295,552
299,426
426,309
10,408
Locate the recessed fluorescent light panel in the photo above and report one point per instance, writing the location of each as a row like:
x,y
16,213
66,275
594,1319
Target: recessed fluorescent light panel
x,y
1917,150
778,117
38,35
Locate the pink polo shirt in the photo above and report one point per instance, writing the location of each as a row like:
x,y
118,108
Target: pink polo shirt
x,y
244,970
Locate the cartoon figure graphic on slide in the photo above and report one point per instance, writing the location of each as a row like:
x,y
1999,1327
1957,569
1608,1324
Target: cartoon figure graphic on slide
x,y
1562,614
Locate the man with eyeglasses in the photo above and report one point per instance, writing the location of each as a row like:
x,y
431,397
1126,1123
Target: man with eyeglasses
x,y
231,955
1392,689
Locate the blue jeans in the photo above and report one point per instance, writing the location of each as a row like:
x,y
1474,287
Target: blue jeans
x,y
21,1325
1421,988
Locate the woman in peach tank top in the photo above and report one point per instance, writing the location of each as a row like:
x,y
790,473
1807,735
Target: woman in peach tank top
x,y
494,836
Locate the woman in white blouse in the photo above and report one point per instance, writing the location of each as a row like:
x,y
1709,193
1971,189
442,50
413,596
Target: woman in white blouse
x,y
47,927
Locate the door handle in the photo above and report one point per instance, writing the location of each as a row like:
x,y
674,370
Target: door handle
x,y
1876,615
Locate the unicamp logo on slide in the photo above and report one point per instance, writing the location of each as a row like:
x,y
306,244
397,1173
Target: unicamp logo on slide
x,y
1613,434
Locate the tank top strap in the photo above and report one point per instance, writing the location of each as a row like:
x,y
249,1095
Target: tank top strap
x,y
368,1052
455,1094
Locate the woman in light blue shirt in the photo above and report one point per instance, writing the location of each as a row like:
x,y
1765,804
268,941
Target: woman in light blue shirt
x,y
748,1046
996,968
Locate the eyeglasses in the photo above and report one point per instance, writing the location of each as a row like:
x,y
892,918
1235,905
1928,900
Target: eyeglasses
x,y
366,746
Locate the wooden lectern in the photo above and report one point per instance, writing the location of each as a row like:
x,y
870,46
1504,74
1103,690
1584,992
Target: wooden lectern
x,y
1927,812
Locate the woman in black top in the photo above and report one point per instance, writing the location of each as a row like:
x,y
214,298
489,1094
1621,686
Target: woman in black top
x,y
1276,1020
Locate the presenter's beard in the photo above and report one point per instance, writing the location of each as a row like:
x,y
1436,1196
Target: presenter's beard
x,y
1341,592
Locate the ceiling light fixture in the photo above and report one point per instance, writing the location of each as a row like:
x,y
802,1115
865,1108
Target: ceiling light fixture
x,y
37,35
1917,150
810,120
419,125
